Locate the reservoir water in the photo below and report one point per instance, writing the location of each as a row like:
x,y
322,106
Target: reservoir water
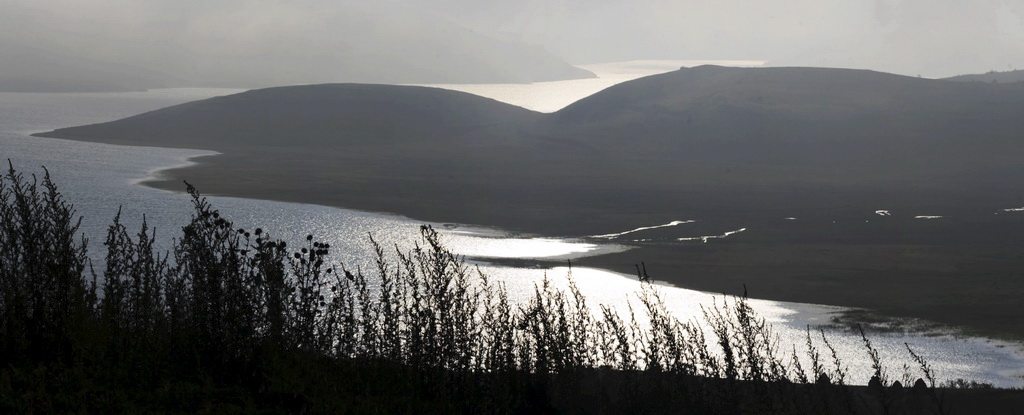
x,y
99,179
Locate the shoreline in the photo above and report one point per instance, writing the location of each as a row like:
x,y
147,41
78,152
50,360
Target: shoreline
x,y
557,263
157,174
966,268
916,278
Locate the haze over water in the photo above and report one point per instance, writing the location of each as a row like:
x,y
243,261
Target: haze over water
x,y
553,96
100,178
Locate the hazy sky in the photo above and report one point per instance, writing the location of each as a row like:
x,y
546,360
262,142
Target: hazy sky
x,y
927,37
930,37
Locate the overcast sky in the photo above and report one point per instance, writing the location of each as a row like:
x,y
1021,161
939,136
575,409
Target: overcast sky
x,y
928,37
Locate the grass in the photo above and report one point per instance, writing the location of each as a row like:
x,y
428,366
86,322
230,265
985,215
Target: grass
x,y
234,320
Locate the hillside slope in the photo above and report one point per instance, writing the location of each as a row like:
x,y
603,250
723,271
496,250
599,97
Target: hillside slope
x,y
800,158
1006,77
835,136
330,116
795,115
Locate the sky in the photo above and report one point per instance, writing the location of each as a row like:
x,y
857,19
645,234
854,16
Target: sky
x,y
935,38
244,41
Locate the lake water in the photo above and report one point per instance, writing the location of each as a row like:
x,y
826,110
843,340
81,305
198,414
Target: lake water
x,y
100,178
553,96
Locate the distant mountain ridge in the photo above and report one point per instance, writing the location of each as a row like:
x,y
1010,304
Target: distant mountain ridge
x,y
345,41
25,69
992,76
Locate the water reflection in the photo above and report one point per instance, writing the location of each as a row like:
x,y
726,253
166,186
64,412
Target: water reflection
x,y
951,357
474,245
643,228
705,238
553,96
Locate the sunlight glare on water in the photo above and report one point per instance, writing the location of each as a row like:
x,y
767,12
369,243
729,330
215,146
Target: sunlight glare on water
x,y
492,244
555,95
952,357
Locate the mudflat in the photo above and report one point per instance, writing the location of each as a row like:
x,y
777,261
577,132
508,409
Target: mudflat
x,y
964,269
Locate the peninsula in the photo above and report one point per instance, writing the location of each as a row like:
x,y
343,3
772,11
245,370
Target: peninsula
x,y
802,158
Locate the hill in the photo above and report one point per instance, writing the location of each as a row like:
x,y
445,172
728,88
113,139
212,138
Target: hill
x,y
329,117
1006,77
841,138
851,126
731,148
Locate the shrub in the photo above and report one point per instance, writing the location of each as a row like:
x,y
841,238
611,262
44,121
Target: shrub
x,y
237,320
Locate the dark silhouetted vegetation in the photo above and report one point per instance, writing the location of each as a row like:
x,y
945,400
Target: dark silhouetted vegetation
x,y
234,321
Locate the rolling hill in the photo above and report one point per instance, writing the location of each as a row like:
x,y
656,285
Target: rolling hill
x,y
1007,77
731,148
835,136
859,125
331,117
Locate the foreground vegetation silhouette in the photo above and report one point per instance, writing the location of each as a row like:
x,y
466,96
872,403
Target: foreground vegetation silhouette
x,y
236,321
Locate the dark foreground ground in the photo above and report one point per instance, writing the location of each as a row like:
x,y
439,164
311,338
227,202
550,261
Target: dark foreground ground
x,y
307,384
